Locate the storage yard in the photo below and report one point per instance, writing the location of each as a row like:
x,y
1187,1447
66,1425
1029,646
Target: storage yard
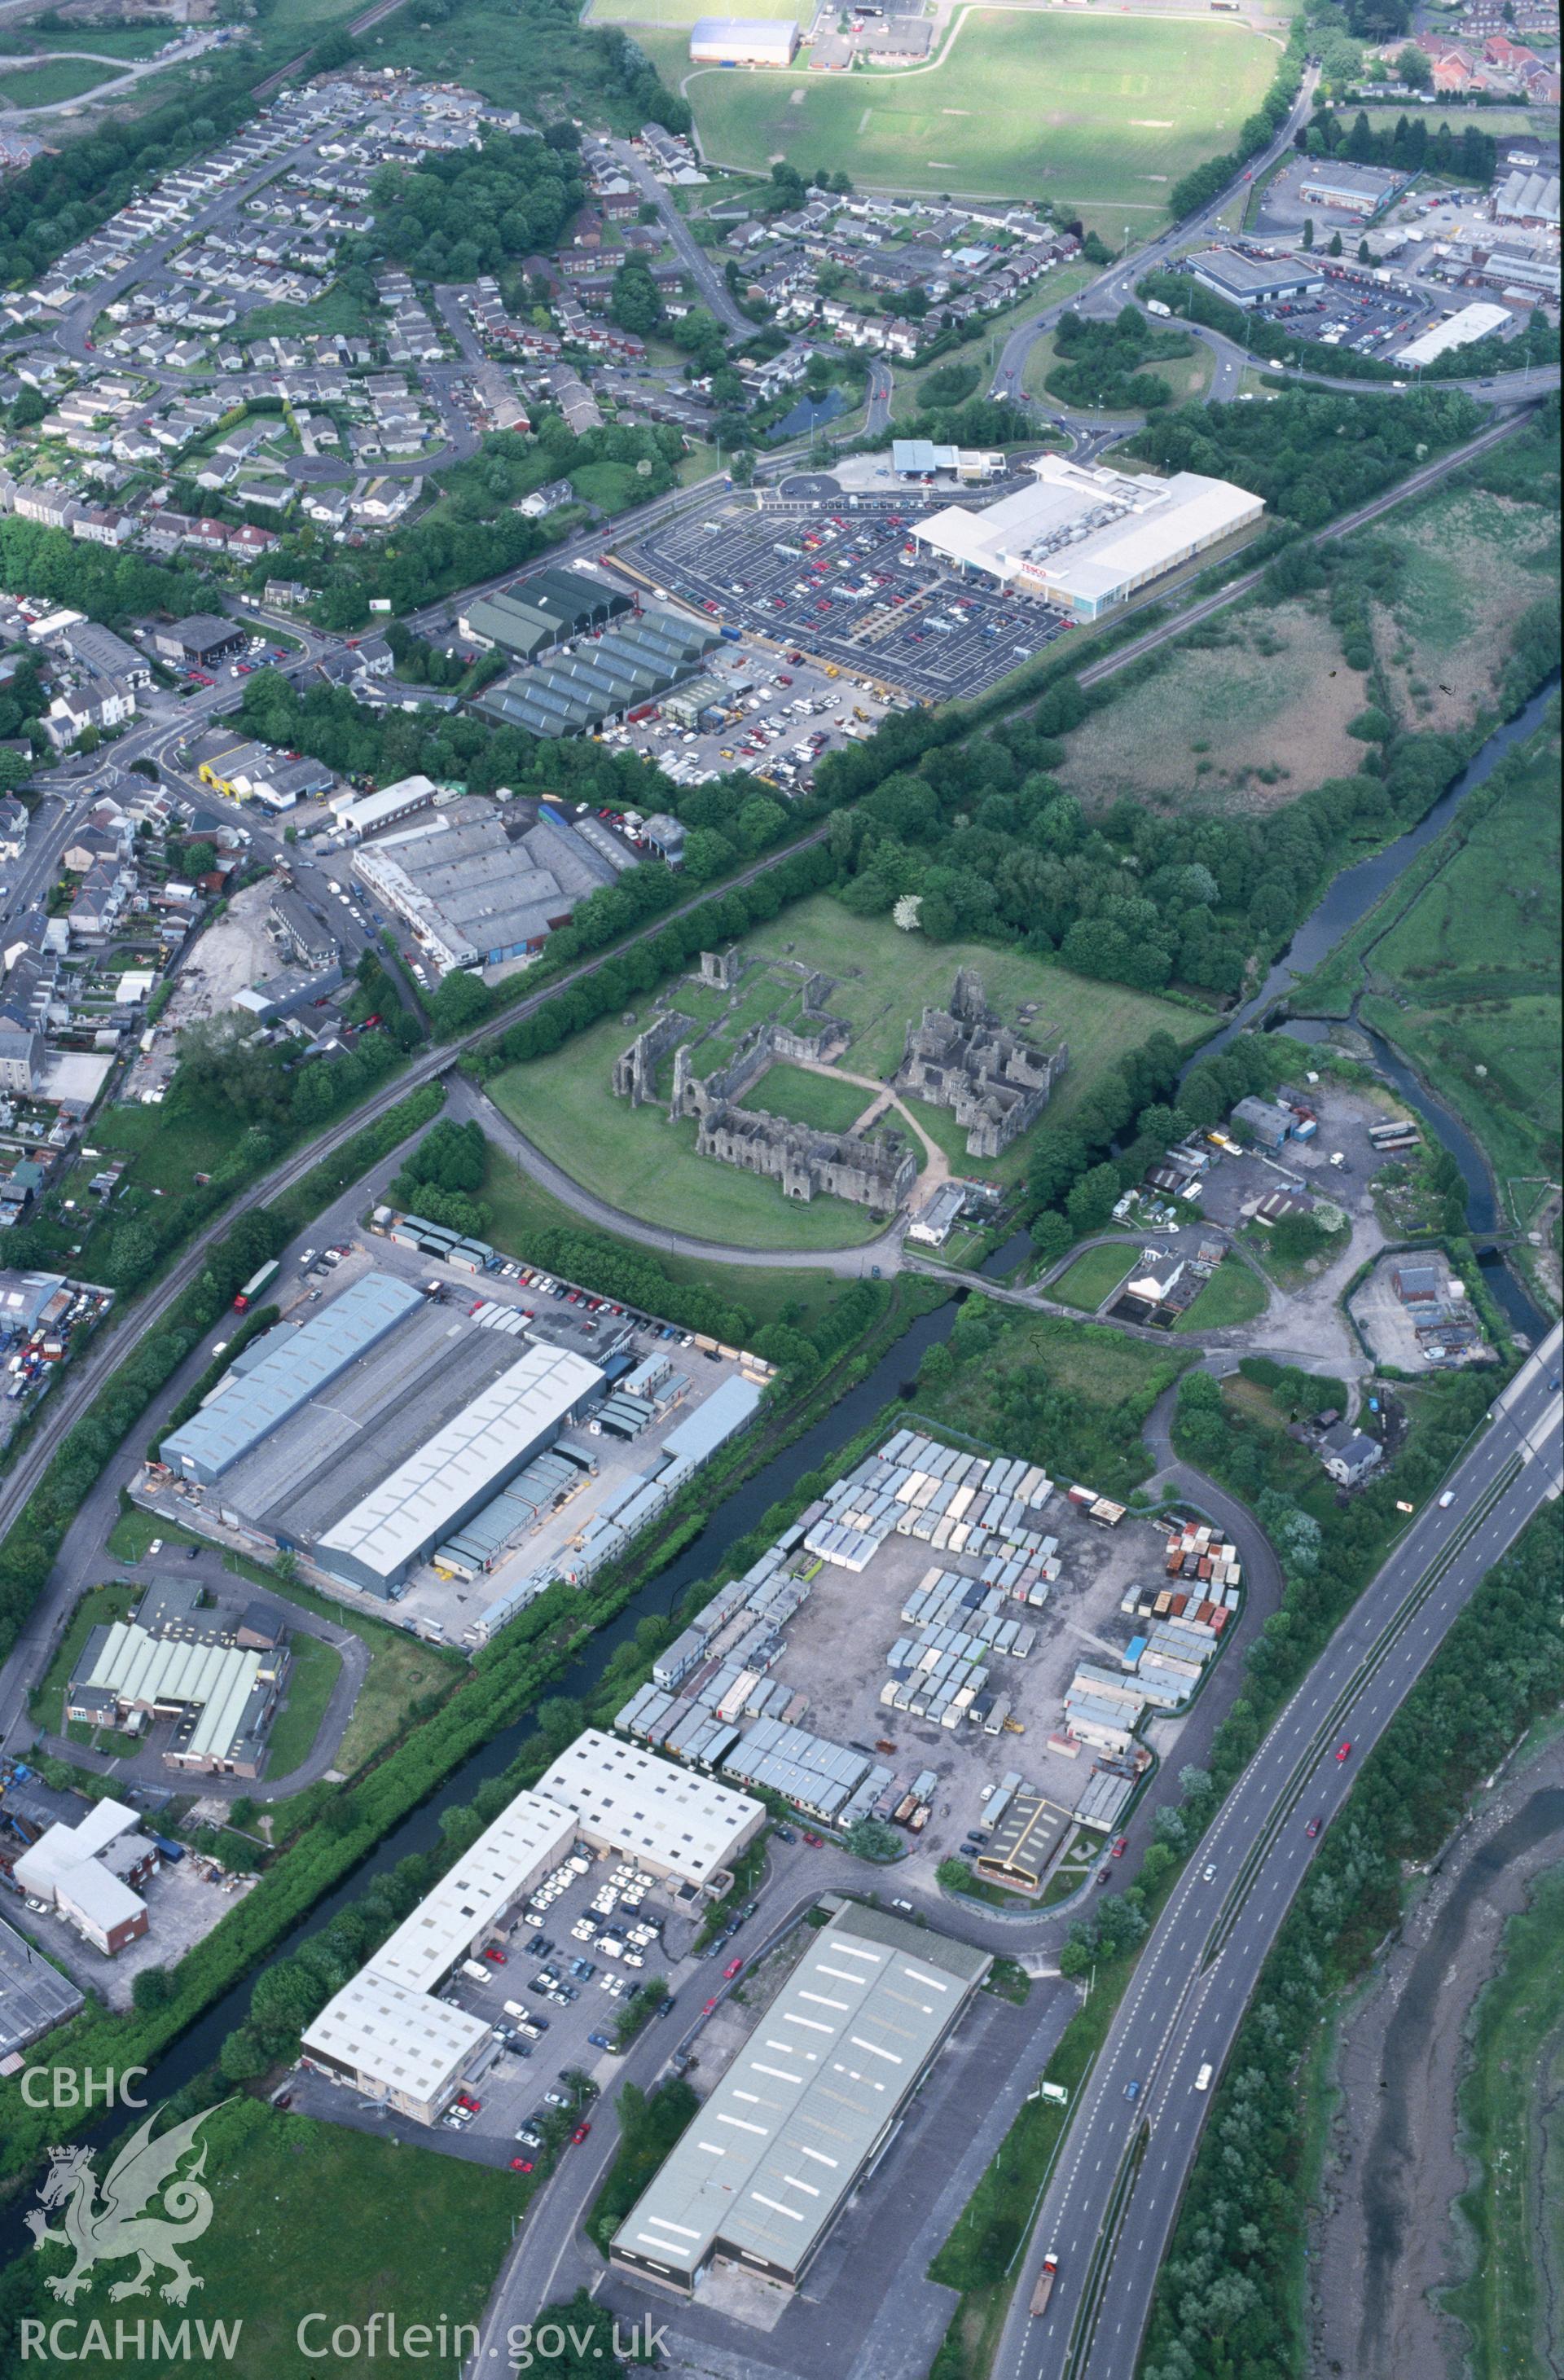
x,y
883,1655
446,1450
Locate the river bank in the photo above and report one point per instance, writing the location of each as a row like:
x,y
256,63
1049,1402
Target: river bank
x,y
1387,2239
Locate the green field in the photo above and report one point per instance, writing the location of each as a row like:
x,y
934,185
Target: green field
x,y
310,2217
1092,1278
313,1670
53,84
1102,114
1467,982
643,1165
521,1208
1233,1295
1515,2214
804,1097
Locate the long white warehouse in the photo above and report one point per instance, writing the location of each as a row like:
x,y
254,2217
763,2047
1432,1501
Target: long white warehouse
x,y
445,1481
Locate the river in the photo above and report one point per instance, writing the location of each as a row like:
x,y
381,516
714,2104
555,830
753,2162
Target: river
x,y
1349,897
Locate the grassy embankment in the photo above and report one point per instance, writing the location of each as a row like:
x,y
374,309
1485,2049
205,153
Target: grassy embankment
x,y
1464,975
1092,1278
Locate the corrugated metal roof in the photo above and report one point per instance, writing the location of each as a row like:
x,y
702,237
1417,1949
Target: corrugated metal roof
x,y
779,2144
296,1367
418,1501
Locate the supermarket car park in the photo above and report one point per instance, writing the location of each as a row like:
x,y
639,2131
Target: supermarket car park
x,y
850,590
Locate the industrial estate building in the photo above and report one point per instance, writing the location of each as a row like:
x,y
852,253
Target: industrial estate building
x,y
1351,189
1249,281
1479,320
396,1441
221,1696
388,2034
1085,539
743,41
529,617
474,892
34,1996
458,1469
89,1874
639,659
807,2105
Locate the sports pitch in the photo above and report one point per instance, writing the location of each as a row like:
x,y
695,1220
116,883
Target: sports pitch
x,y
1097,113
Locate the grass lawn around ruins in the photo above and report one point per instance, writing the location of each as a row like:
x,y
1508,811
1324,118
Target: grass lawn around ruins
x,y
640,1163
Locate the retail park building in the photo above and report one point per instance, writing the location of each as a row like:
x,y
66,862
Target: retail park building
x,y
1086,539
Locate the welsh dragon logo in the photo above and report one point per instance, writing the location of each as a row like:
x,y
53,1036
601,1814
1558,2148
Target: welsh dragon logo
x,y
103,2229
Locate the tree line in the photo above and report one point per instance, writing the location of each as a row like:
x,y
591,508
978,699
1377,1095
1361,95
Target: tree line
x,y
1203,183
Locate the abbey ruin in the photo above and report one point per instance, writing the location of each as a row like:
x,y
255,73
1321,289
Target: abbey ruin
x,y
994,1081
875,1169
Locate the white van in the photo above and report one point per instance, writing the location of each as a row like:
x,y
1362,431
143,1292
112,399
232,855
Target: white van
x,y
1203,2080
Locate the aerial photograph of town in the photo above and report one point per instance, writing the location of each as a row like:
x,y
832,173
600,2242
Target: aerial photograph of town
x,y
782,1190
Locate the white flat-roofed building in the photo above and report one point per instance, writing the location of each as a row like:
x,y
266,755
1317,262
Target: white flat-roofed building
x,y
385,2033
363,813
388,1532
797,2120
671,1821
412,2051
1249,281
531,1835
66,1868
1473,322
1086,539
743,41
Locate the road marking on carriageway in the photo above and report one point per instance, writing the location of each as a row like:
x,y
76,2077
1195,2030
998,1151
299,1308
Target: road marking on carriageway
x,y
1418,1595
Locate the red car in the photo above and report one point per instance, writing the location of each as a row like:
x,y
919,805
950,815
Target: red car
x,y
465,2099
734,1967
815,1842
1342,1750
1313,1827
521,2165
496,1957
1120,1847
708,2009
579,2134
